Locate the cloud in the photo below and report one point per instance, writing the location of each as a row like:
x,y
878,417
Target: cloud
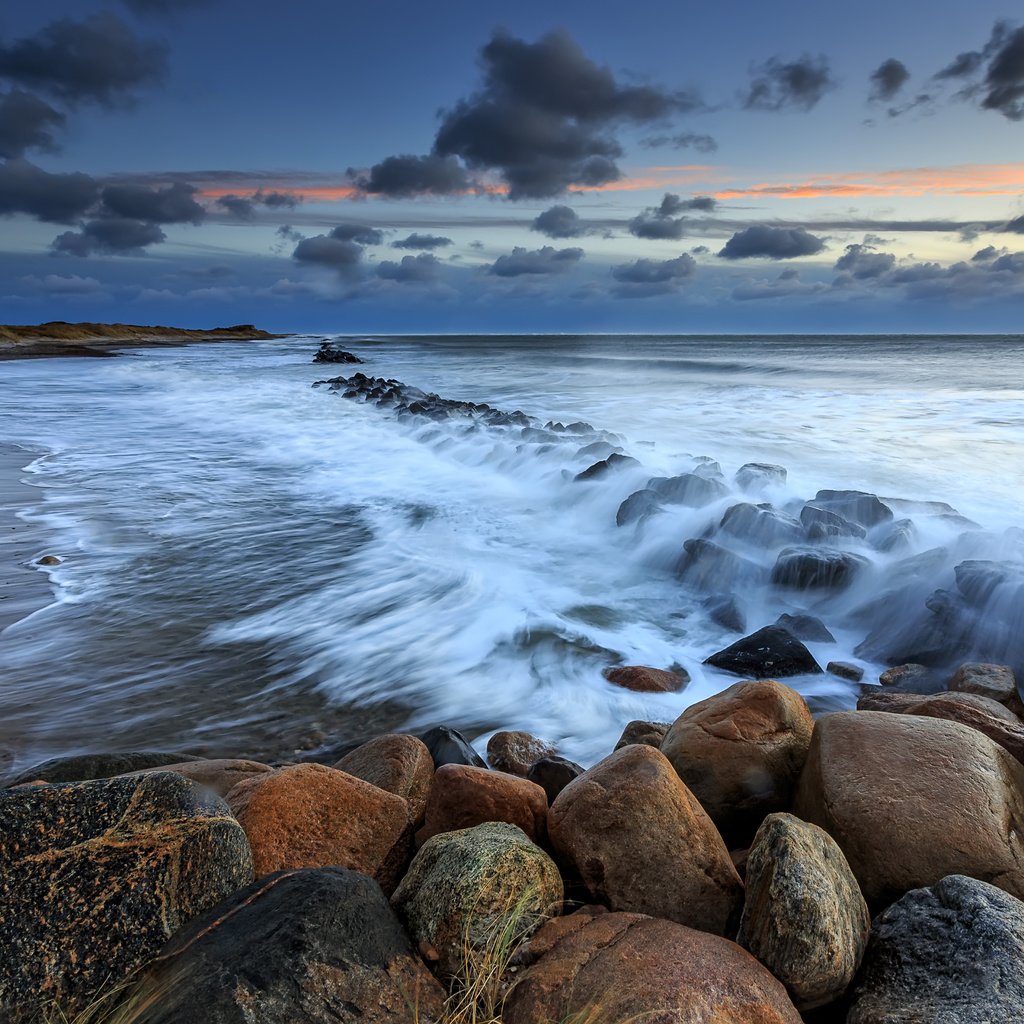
x,y
535,262
560,222
543,120
99,59
887,79
27,122
171,205
116,236
244,207
863,262
645,277
1002,58
54,198
55,284
799,83
786,285
340,254
1016,226
770,242
684,140
418,241
990,252
360,233
659,222
163,8
421,269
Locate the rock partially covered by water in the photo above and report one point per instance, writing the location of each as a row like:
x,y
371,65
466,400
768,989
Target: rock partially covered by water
x,y
614,461
756,476
641,841
770,652
858,506
321,946
817,569
725,611
762,526
639,505
740,753
643,679
328,352
822,524
693,489
705,566
806,627
96,876
463,887
948,954
804,917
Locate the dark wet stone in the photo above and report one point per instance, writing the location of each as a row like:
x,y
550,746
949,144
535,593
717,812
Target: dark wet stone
x,y
692,489
858,506
84,767
896,536
598,450
448,746
613,462
770,653
553,774
638,505
821,524
761,525
755,476
317,945
817,569
96,876
708,566
725,612
844,670
806,627
328,353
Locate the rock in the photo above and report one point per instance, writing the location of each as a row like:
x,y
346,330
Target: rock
x,y
844,670
911,800
328,353
86,767
639,505
756,476
220,775
553,774
761,525
740,753
995,681
464,796
705,566
860,507
821,524
515,752
817,569
640,841
48,560
643,679
650,734
447,746
693,489
724,611
628,967
806,627
948,954
316,945
897,536
878,699
615,461
398,763
96,876
902,675
464,886
312,816
771,651
804,917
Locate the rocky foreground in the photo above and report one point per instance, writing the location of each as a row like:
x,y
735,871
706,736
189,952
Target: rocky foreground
x,y
744,865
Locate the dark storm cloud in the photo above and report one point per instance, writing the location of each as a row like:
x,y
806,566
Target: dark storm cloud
x,y
119,236
684,140
773,243
244,207
239,207
560,222
1002,59
418,241
644,278
27,122
54,198
962,66
990,252
357,233
414,175
421,269
543,120
338,254
863,262
661,222
887,79
171,205
98,59
535,262
800,83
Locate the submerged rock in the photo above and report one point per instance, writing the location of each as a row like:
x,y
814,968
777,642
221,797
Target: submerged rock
x,y
756,476
725,611
858,506
693,489
821,524
761,526
705,566
770,652
637,506
817,569
614,461
806,627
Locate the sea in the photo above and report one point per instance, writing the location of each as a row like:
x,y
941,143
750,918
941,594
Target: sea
x,y
252,565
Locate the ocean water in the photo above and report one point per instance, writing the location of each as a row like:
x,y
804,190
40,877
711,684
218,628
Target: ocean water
x,y
256,566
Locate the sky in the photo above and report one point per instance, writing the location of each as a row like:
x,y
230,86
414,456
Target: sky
x,y
548,167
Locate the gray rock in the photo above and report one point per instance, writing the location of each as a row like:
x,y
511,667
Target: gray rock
x,y
947,954
725,611
693,489
859,506
844,670
639,505
705,566
822,524
756,476
449,746
994,681
806,627
761,525
817,569
84,767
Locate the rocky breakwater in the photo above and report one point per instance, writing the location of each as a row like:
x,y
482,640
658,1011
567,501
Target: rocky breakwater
x,y
722,870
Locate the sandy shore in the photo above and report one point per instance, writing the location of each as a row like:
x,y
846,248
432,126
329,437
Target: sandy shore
x,y
23,588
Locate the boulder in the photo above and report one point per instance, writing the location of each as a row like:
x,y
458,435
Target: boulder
x,y
85,767
771,651
628,967
804,917
329,353
514,752
639,505
821,524
466,887
649,733
859,506
640,841
761,526
220,775
693,489
756,476
806,627
706,566
896,536
448,746
312,816
464,796
642,679
398,763
817,569
316,945
911,800
96,876
740,753
724,611
844,670
947,954
553,774
995,681
615,461
906,676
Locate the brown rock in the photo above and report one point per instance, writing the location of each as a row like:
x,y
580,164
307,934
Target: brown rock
x,y
844,670
995,681
516,752
626,967
48,560
398,763
643,679
640,841
464,796
877,699
902,675
311,816
741,752
218,774
650,734
910,800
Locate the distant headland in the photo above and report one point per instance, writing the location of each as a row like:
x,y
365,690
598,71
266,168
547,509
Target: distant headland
x,y
58,338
